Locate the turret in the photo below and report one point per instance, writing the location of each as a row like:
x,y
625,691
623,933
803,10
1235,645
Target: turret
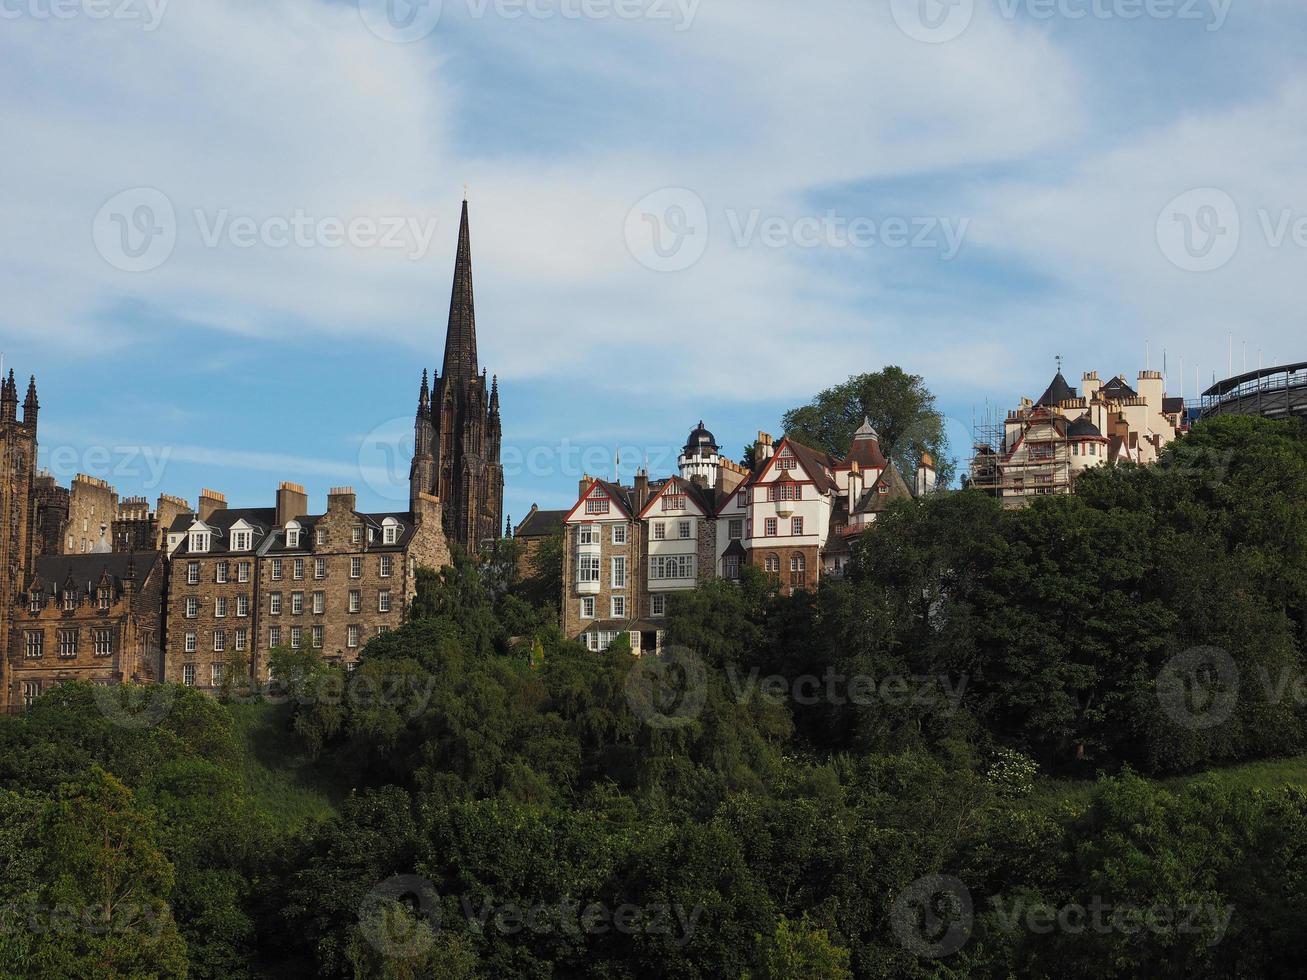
x,y
30,405
9,399
422,474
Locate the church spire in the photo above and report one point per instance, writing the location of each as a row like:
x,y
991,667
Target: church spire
x,y
30,405
461,335
424,395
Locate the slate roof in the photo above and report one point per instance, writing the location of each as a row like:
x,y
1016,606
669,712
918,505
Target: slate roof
x,y
1173,405
1117,388
52,571
873,501
1083,428
540,523
865,449
1058,391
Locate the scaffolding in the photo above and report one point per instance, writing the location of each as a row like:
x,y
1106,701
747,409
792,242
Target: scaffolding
x,y
1043,468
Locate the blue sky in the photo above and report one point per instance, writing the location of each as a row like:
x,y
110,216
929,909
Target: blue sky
x,y
1067,145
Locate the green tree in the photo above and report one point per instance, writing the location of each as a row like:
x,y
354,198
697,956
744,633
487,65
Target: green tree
x,y
798,951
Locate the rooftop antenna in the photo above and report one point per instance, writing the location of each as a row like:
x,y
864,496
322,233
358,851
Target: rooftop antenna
x,y
1148,355
1244,345
617,465
1181,377
1230,366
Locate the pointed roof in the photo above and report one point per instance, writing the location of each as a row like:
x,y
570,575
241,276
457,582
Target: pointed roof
x,y
1058,391
1117,388
461,335
865,450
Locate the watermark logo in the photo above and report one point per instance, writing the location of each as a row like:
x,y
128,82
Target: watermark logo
x,y
401,21
1198,231
667,231
401,916
934,916
136,230
667,689
148,12
1198,688
1104,917
135,706
932,21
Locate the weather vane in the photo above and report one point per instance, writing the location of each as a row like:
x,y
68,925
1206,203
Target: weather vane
x,y
1059,363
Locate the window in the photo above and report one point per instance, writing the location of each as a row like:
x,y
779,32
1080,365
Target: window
x,y
671,566
242,571
587,534
352,636
317,634
319,568
796,526
220,607
103,642
385,566
241,637
772,564
192,643
587,568
274,636
683,529
785,491
296,603
619,607
736,528
769,527
219,641
242,605
216,673
673,501
390,533
68,643
31,691
883,488
296,637
356,535
188,675
297,569
35,646
797,565
274,603
320,536
731,567
619,572
103,598
192,606
619,534
383,601
292,537
240,540
36,602
597,505
319,602
659,530
588,607
356,568
382,629
200,541
355,600
276,569
70,600
658,605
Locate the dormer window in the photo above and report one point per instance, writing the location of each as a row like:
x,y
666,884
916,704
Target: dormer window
x,y
37,600
103,597
200,541
391,530
241,540
70,600
292,535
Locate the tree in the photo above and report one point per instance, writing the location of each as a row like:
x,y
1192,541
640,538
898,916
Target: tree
x,y
799,950
899,406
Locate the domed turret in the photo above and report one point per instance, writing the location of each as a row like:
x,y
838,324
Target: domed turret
x,y
701,456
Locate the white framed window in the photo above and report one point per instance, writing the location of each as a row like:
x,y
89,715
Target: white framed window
x,y
103,598
619,572
785,491
683,529
317,634
192,606
673,501
31,691
772,563
188,675
192,642
296,637
587,568
383,601
736,528
659,530
356,535
390,532
70,600
219,641
242,605
241,540
274,603
320,536
597,505
241,638
192,573
276,569
296,603
242,571
319,602
356,568
619,534
352,636
34,646
658,605
588,607
619,607
274,636
319,568
297,569
671,567
216,673
385,566
292,536
769,527
36,602
200,541
220,606
355,600
587,534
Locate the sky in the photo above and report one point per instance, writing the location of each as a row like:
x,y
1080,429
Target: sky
x,y
229,224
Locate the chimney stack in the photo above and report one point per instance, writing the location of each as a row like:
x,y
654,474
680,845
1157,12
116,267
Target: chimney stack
x,y
763,448
292,502
641,489
341,498
211,500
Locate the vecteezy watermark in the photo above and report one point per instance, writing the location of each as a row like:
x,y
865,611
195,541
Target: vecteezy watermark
x,y
1198,231
834,688
406,21
148,12
667,689
1199,688
143,465
135,706
1104,917
934,916
147,920
938,21
669,230
575,918
401,916
137,230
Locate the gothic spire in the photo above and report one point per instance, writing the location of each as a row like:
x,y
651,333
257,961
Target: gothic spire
x,y
424,396
30,404
461,335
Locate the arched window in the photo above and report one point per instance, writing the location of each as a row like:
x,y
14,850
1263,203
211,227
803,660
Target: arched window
x,y
772,564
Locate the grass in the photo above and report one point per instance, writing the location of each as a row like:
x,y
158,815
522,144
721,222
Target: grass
x,y
287,785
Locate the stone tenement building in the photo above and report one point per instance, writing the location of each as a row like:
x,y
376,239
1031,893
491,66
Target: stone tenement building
x,y
626,548
94,617
245,580
458,432
1042,447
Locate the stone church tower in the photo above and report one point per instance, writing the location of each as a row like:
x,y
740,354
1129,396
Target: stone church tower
x,y
457,433
18,443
